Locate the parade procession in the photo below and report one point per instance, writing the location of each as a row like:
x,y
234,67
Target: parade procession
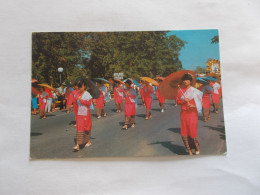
x,y
127,114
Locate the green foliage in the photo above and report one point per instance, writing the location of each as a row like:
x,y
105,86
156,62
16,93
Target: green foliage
x,y
200,70
102,54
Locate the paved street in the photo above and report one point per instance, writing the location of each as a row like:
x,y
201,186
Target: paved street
x,y
54,137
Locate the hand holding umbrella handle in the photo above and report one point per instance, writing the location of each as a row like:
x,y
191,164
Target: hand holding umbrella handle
x,y
185,99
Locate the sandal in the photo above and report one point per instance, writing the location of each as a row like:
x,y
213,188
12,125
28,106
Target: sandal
x,y
133,125
76,148
88,144
146,118
124,127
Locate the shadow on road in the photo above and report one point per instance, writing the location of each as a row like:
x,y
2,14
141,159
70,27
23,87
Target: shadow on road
x,y
176,149
121,123
50,115
156,109
141,115
175,130
36,134
220,128
72,123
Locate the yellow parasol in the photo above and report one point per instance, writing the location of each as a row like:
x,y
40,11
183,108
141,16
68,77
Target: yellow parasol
x,y
149,80
46,85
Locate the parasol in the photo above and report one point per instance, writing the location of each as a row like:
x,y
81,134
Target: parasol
x,y
137,84
160,78
121,82
168,88
214,75
92,89
102,80
200,80
46,86
149,80
111,81
35,91
207,78
34,81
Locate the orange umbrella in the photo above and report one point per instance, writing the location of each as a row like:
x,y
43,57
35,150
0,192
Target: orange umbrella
x,y
121,82
149,80
46,85
160,78
34,81
168,88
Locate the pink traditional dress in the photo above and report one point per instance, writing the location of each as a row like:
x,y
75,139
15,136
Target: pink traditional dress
x,y
189,115
130,96
147,94
118,94
100,100
159,96
215,93
43,100
69,95
206,90
84,117
84,123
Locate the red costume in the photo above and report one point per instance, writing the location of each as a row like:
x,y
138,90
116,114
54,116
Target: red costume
x,y
43,100
215,93
129,102
118,94
147,94
189,116
69,95
159,96
84,117
75,96
100,100
206,96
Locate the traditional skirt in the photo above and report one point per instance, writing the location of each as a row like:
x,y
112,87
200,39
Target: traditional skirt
x,y
148,103
84,123
215,98
99,103
83,137
206,101
129,109
189,121
119,100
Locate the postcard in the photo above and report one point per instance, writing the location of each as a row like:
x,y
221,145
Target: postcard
x,y
126,94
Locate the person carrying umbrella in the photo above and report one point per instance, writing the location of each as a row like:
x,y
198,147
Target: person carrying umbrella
x,y
118,96
129,95
100,102
160,97
42,101
190,100
84,122
206,90
215,94
147,93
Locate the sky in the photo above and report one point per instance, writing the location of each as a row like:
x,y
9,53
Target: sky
x,y
198,48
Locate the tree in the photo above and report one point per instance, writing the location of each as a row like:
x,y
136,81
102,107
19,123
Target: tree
x,y
215,40
102,54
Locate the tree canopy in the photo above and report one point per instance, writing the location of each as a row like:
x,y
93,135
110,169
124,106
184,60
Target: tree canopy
x,y
215,40
104,53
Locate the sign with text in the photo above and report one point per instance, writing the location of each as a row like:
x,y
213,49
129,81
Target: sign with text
x,y
119,75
